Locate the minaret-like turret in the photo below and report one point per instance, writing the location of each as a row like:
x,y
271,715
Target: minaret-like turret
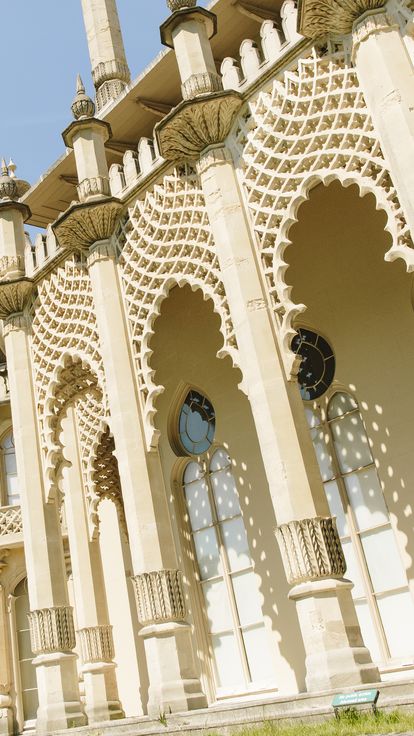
x,y
110,70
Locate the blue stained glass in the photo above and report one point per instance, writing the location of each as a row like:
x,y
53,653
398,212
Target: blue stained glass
x,y
317,368
197,423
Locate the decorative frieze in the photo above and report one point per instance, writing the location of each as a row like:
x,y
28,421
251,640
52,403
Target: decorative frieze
x,y
311,549
83,224
196,124
317,17
97,644
159,596
52,630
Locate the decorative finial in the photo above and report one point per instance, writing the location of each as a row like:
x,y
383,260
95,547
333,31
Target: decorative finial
x,y
12,169
8,186
179,4
82,105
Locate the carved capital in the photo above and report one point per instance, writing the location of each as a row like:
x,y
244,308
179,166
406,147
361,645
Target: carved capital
x,y
368,25
98,186
102,251
107,71
84,224
52,630
14,296
196,124
201,84
11,267
317,17
311,549
159,596
213,157
97,644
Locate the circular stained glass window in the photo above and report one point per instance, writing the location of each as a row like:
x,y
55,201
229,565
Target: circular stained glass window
x,y
196,424
317,368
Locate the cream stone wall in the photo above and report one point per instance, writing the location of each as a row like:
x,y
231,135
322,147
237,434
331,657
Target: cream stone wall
x,y
185,343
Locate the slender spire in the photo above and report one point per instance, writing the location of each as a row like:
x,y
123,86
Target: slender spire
x,y
110,71
82,105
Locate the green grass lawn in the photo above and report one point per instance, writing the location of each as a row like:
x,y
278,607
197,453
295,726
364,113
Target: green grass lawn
x,y
348,724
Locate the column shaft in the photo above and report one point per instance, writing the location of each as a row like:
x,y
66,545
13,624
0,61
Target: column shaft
x,y
6,706
95,632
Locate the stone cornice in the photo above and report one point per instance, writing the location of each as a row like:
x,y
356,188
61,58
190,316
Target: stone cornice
x,y
11,204
84,224
196,124
317,17
77,126
185,14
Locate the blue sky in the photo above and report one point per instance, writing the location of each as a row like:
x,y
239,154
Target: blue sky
x,y
43,49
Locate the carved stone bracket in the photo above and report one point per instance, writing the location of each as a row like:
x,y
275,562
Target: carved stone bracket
x,y
311,549
83,224
14,296
316,17
159,596
52,630
196,124
97,644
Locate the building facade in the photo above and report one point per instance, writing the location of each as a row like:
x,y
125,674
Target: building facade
x,y
206,436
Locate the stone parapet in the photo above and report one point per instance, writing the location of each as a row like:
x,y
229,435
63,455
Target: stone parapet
x,y
311,549
159,596
52,630
97,644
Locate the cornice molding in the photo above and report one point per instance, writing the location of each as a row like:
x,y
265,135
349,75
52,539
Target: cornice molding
x,y
196,124
317,17
84,224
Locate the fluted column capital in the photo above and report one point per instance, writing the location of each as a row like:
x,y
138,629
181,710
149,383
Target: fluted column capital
x,y
160,597
311,549
52,630
317,17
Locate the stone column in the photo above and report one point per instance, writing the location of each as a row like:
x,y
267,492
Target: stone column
x,y
51,620
6,705
110,71
307,535
174,681
95,633
386,75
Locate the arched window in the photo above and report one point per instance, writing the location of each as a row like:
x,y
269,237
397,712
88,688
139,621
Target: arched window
x,y
382,599
11,493
229,586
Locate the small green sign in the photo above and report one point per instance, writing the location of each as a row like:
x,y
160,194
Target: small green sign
x,y
362,697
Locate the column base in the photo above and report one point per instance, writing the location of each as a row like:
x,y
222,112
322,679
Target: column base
x,y
174,684
6,716
335,653
59,702
101,692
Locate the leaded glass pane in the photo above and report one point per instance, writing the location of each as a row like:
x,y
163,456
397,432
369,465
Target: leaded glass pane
x,y
336,507
353,570
321,444
366,498
341,403
218,607
351,443
228,665
207,552
235,541
196,424
257,651
367,630
383,559
247,598
225,494
317,368
397,615
198,504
